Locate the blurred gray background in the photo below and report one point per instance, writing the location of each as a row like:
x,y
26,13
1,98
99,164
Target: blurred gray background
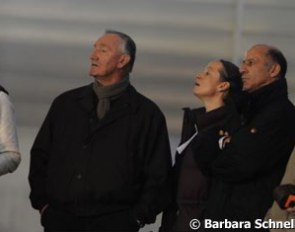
x,y
45,48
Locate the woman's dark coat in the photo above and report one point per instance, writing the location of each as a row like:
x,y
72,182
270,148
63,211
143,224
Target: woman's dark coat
x,y
190,185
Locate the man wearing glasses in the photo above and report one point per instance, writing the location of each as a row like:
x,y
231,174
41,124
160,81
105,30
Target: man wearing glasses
x,y
252,160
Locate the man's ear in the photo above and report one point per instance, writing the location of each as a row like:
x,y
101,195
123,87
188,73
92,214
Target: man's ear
x,y
274,70
123,60
223,86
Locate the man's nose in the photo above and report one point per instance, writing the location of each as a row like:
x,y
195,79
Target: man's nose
x,y
242,69
93,56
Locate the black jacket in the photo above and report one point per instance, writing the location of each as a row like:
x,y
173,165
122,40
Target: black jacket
x,y
190,185
91,167
253,163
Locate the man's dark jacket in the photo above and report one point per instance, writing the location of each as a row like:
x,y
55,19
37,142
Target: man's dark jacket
x,y
90,167
253,163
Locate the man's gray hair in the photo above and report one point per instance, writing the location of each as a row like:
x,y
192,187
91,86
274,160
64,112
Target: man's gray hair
x,y
128,46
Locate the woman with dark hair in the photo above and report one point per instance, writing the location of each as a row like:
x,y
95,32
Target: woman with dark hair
x,y
219,87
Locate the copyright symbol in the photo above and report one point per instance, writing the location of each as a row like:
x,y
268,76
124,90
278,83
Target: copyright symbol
x,y
194,224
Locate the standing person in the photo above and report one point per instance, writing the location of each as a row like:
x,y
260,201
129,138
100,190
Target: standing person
x,y
9,150
275,213
217,86
102,153
254,158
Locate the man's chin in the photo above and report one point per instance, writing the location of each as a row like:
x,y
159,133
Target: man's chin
x,y
91,74
94,75
245,88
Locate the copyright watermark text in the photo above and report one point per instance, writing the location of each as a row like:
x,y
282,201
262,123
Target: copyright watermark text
x,y
257,224
194,224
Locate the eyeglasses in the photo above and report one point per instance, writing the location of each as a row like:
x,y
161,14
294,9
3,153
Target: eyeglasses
x,y
249,62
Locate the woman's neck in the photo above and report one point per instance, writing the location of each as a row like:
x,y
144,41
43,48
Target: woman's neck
x,y
213,104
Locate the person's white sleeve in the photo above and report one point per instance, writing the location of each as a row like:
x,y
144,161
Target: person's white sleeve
x,y
9,149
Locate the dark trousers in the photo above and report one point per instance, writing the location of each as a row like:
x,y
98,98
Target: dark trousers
x,y
54,220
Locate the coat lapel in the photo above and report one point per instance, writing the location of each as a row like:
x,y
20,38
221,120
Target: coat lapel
x,y
126,104
87,100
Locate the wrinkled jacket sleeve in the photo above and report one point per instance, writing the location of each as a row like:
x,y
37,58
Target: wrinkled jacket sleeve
x,y
256,147
9,149
157,166
40,153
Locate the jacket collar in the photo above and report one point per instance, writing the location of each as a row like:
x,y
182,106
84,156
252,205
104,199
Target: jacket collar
x,y
126,104
198,119
87,99
274,91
